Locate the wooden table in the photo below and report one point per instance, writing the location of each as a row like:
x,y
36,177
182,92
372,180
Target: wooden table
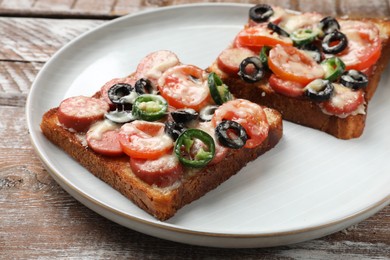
x,y
39,219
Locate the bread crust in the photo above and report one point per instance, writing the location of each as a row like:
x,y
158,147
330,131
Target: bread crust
x,y
162,204
306,112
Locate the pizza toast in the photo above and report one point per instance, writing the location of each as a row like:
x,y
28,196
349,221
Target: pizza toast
x,y
97,132
307,90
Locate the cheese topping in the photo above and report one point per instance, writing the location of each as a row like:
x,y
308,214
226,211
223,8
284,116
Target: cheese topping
x,y
96,131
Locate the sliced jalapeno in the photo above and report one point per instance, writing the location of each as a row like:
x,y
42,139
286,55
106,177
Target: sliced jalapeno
x,y
334,42
231,134
328,25
218,90
354,79
319,90
150,107
276,28
261,13
264,55
303,36
258,70
333,68
191,156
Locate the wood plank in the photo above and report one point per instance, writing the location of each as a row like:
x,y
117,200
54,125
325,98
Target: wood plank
x,y
108,9
36,40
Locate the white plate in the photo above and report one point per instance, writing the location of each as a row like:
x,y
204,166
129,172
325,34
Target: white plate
x,y
310,185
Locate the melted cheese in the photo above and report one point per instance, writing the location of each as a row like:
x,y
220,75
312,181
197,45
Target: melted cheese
x,y
96,131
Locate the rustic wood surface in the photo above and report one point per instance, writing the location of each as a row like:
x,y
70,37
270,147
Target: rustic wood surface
x,y
38,219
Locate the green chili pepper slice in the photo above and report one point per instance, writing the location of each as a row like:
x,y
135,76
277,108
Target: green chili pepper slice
x,y
150,107
303,36
218,90
333,67
184,147
264,55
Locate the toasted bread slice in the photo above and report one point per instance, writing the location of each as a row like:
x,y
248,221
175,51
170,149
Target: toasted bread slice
x,y
304,111
159,202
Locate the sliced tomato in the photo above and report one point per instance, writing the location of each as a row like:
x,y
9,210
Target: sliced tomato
x,y
343,101
289,63
285,87
230,59
185,86
163,172
260,35
250,115
144,140
364,45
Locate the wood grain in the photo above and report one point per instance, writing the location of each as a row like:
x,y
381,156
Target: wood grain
x,y
113,8
38,219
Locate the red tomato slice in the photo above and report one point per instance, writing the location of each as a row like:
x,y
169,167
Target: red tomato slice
x,y
144,140
250,115
287,88
364,45
163,172
343,101
185,86
291,64
260,35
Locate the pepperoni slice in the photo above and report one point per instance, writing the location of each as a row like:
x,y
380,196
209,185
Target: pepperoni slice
x,y
162,172
220,151
80,112
250,115
230,59
102,137
185,86
154,65
144,140
285,87
104,90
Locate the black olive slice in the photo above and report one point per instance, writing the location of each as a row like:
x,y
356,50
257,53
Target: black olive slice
x,y
206,114
258,70
120,117
319,90
329,24
231,134
174,129
334,42
313,51
278,29
143,86
118,91
354,79
184,115
261,13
